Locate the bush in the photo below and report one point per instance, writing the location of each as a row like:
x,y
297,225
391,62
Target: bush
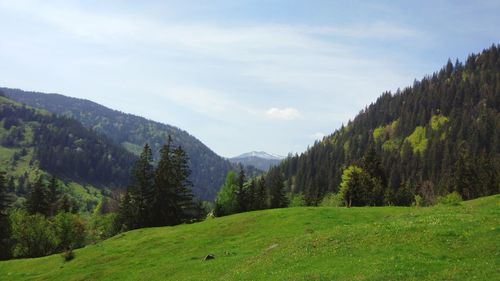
x,y
418,201
298,201
70,231
332,200
33,235
453,198
103,226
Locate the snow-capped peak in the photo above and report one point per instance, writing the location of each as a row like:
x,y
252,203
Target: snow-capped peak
x,y
261,154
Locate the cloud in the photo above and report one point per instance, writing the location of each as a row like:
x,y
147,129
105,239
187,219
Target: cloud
x,y
317,136
287,113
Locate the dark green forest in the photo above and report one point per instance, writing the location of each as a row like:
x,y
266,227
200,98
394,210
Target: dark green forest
x,y
438,136
133,132
63,147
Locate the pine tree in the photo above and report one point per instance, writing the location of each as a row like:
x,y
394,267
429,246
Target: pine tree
x,y
53,196
261,196
37,201
5,202
126,217
164,208
141,190
242,196
185,206
252,195
277,190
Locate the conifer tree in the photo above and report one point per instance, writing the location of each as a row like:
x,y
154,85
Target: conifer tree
x,y
53,196
37,201
261,196
126,217
277,190
141,190
242,196
5,202
164,207
185,206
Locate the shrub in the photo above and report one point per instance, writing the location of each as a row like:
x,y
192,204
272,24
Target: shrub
x,y
332,200
298,201
33,235
70,231
418,201
453,198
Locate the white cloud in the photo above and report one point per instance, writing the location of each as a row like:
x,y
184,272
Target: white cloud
x,y
287,113
317,136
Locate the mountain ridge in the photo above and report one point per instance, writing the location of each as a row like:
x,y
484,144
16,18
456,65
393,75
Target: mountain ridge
x,y
132,132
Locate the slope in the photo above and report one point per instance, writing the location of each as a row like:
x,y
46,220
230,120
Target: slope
x,y
440,135
459,242
208,169
35,142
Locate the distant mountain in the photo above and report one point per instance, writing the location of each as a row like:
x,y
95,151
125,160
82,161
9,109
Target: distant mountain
x,y
132,132
259,159
438,136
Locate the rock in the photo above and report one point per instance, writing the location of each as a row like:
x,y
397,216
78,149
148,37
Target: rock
x,y
209,257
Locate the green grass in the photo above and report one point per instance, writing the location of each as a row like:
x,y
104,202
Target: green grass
x,y
389,243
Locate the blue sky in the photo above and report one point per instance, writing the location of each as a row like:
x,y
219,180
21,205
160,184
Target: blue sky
x,y
238,75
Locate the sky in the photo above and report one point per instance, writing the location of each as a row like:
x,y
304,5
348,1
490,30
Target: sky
x,y
240,76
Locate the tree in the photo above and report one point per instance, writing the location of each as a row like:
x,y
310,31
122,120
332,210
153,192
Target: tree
x,y
242,193
355,186
165,205
185,207
37,201
126,217
32,235
261,196
141,191
5,202
227,198
277,190
53,196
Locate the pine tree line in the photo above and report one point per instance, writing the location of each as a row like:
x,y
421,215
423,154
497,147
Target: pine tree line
x,y
159,196
439,136
239,195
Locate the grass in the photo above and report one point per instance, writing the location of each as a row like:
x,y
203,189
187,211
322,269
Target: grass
x,y
459,242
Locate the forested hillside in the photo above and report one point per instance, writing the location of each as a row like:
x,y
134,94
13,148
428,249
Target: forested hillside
x,y
208,169
438,136
35,142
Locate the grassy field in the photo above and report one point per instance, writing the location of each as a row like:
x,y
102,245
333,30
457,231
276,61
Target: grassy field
x,y
389,243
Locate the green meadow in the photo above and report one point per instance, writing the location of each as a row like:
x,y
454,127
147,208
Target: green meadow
x,y
444,242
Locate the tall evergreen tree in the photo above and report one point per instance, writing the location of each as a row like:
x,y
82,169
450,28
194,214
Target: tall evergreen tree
x,y
277,190
126,217
53,196
141,190
165,193
185,206
5,202
261,196
37,201
242,193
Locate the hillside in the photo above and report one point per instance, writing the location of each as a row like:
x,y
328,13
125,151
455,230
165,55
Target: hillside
x,y
35,142
132,132
458,242
260,160
440,135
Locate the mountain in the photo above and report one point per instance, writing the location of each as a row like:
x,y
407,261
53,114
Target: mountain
x,y
35,142
132,132
440,135
261,160
387,243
